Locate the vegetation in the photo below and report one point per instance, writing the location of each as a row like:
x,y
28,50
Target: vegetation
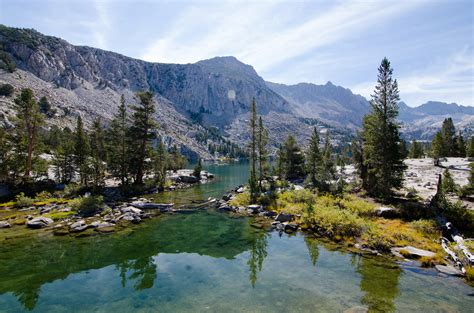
x,y
381,154
416,150
87,206
446,144
6,90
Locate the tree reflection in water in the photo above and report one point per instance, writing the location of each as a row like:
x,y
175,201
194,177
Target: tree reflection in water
x,y
143,270
313,249
258,253
379,282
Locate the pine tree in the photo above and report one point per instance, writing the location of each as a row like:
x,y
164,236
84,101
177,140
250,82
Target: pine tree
x,y
262,142
470,148
280,163
5,156
326,170
437,148
81,151
403,149
253,153
197,169
448,182
160,165
176,160
45,106
294,159
449,138
460,146
416,150
98,153
118,139
341,183
381,136
28,121
313,157
142,132
358,160
63,158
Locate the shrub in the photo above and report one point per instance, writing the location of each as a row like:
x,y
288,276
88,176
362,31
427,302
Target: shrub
x,y
448,182
22,200
241,199
43,195
358,206
428,227
6,90
470,274
87,206
461,217
59,215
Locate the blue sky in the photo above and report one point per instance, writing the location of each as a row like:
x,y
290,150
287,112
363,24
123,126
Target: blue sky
x,y
429,43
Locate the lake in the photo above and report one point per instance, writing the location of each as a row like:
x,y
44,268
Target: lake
x,y
208,261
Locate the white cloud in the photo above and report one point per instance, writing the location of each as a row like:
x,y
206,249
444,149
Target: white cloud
x,y
450,81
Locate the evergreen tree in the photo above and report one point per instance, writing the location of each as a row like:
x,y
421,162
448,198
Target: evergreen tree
x,y
448,182
416,150
403,149
28,120
197,169
470,148
341,183
81,151
313,157
98,153
44,105
160,165
437,148
177,160
460,146
293,159
63,158
142,132
449,138
119,143
381,136
253,152
5,156
262,142
358,160
280,163
327,170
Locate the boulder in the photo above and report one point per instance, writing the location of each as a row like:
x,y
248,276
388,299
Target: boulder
x,y
449,270
386,212
284,217
189,179
254,208
78,226
39,222
240,189
4,224
227,197
152,206
289,228
411,252
131,209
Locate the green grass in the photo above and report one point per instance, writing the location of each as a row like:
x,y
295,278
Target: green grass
x,y
55,216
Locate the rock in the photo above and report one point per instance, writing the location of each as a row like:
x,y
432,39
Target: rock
x,y
225,207
131,209
45,210
290,227
298,187
411,252
449,270
108,229
152,206
227,197
4,224
105,224
268,213
240,190
39,222
386,212
189,179
284,217
254,208
410,195
78,226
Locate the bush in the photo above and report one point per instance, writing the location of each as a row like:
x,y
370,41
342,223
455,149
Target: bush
x,y
461,217
6,90
428,227
470,274
43,195
241,199
22,200
87,206
448,182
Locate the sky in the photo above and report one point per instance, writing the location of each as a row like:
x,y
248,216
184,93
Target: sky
x,y
430,43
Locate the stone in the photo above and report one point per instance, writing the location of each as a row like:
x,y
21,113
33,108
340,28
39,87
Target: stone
x,y
39,222
412,252
189,179
78,226
290,227
131,209
284,217
449,270
386,212
4,224
227,197
45,210
152,206
240,190
254,208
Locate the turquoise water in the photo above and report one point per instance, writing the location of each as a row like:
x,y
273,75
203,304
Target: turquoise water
x,y
210,262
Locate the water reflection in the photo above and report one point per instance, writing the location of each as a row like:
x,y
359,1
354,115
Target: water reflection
x,y
379,281
143,272
258,253
313,249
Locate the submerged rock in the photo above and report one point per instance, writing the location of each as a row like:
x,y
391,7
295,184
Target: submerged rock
x,y
449,270
39,222
411,252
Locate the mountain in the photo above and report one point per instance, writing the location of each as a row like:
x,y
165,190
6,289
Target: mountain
x,y
331,104
197,104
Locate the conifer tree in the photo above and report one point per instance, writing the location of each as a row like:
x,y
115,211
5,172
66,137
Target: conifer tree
x,y
416,150
197,169
119,143
327,170
5,156
160,165
448,182
358,159
142,132
381,136
63,158
81,151
313,157
28,121
294,159
449,138
262,142
176,160
98,153
341,183
253,152
437,148
460,146
470,148
280,162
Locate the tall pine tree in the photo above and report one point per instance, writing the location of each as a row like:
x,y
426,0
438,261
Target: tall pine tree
x,y
81,151
98,153
119,143
142,132
253,153
326,170
382,153
313,157
262,142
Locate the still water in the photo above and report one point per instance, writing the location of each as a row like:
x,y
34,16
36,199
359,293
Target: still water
x,y
210,262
